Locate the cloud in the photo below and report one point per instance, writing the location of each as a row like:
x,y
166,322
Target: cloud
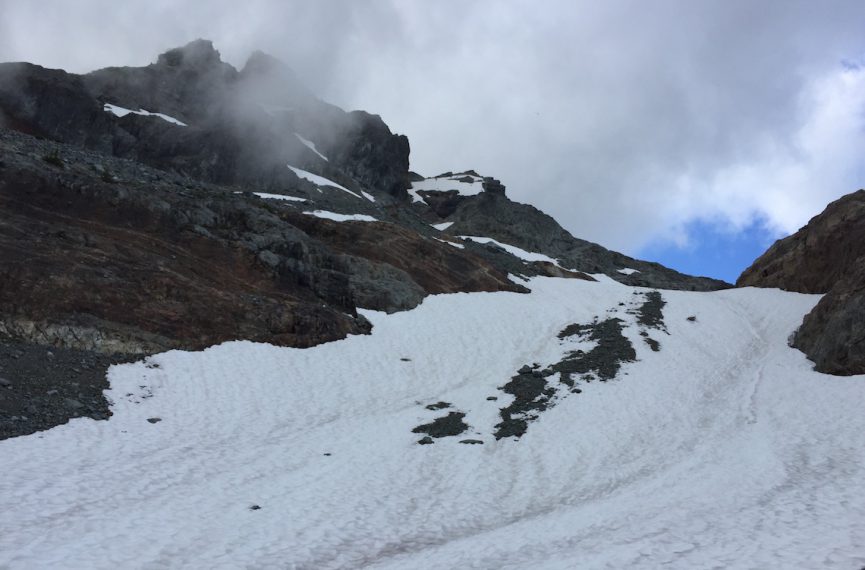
x,y
628,121
791,182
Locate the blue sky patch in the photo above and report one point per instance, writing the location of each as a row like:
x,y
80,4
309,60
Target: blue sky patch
x,y
715,250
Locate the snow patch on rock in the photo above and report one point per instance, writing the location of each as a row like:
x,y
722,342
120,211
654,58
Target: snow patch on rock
x,y
514,250
122,112
310,145
341,217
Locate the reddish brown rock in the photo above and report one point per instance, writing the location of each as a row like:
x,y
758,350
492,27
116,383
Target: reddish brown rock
x,y
826,256
123,267
816,257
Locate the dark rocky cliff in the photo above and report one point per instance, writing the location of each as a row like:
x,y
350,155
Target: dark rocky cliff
x,y
826,256
242,127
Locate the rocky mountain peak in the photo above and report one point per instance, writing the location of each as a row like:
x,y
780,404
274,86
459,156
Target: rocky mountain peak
x,y
271,81
261,62
197,53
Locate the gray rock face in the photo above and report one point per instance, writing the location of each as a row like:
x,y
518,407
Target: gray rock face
x,y
826,256
833,333
383,287
368,152
53,104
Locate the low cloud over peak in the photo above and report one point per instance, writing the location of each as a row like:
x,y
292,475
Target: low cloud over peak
x,y
628,121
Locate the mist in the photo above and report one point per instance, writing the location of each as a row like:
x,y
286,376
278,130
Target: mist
x,y
627,121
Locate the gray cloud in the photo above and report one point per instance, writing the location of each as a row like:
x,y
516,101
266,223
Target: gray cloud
x,y
626,120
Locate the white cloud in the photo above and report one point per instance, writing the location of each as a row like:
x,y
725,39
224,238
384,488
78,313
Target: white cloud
x,y
786,182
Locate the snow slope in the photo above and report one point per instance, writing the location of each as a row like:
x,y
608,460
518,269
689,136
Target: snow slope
x,y
721,450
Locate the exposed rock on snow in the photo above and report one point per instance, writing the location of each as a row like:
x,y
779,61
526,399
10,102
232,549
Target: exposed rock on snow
x,y
650,313
445,426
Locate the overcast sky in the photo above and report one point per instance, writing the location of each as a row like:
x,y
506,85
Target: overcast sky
x,y
660,128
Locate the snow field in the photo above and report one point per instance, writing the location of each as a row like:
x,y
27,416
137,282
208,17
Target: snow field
x,y
723,450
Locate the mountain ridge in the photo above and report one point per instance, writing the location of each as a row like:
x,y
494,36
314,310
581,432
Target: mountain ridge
x,y
120,186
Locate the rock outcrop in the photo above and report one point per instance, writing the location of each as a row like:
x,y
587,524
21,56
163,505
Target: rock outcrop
x,y
833,333
145,261
826,256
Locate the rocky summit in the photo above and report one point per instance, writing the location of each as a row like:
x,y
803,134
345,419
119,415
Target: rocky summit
x,y
187,203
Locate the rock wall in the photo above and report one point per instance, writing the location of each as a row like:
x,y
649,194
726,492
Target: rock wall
x,y
826,256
